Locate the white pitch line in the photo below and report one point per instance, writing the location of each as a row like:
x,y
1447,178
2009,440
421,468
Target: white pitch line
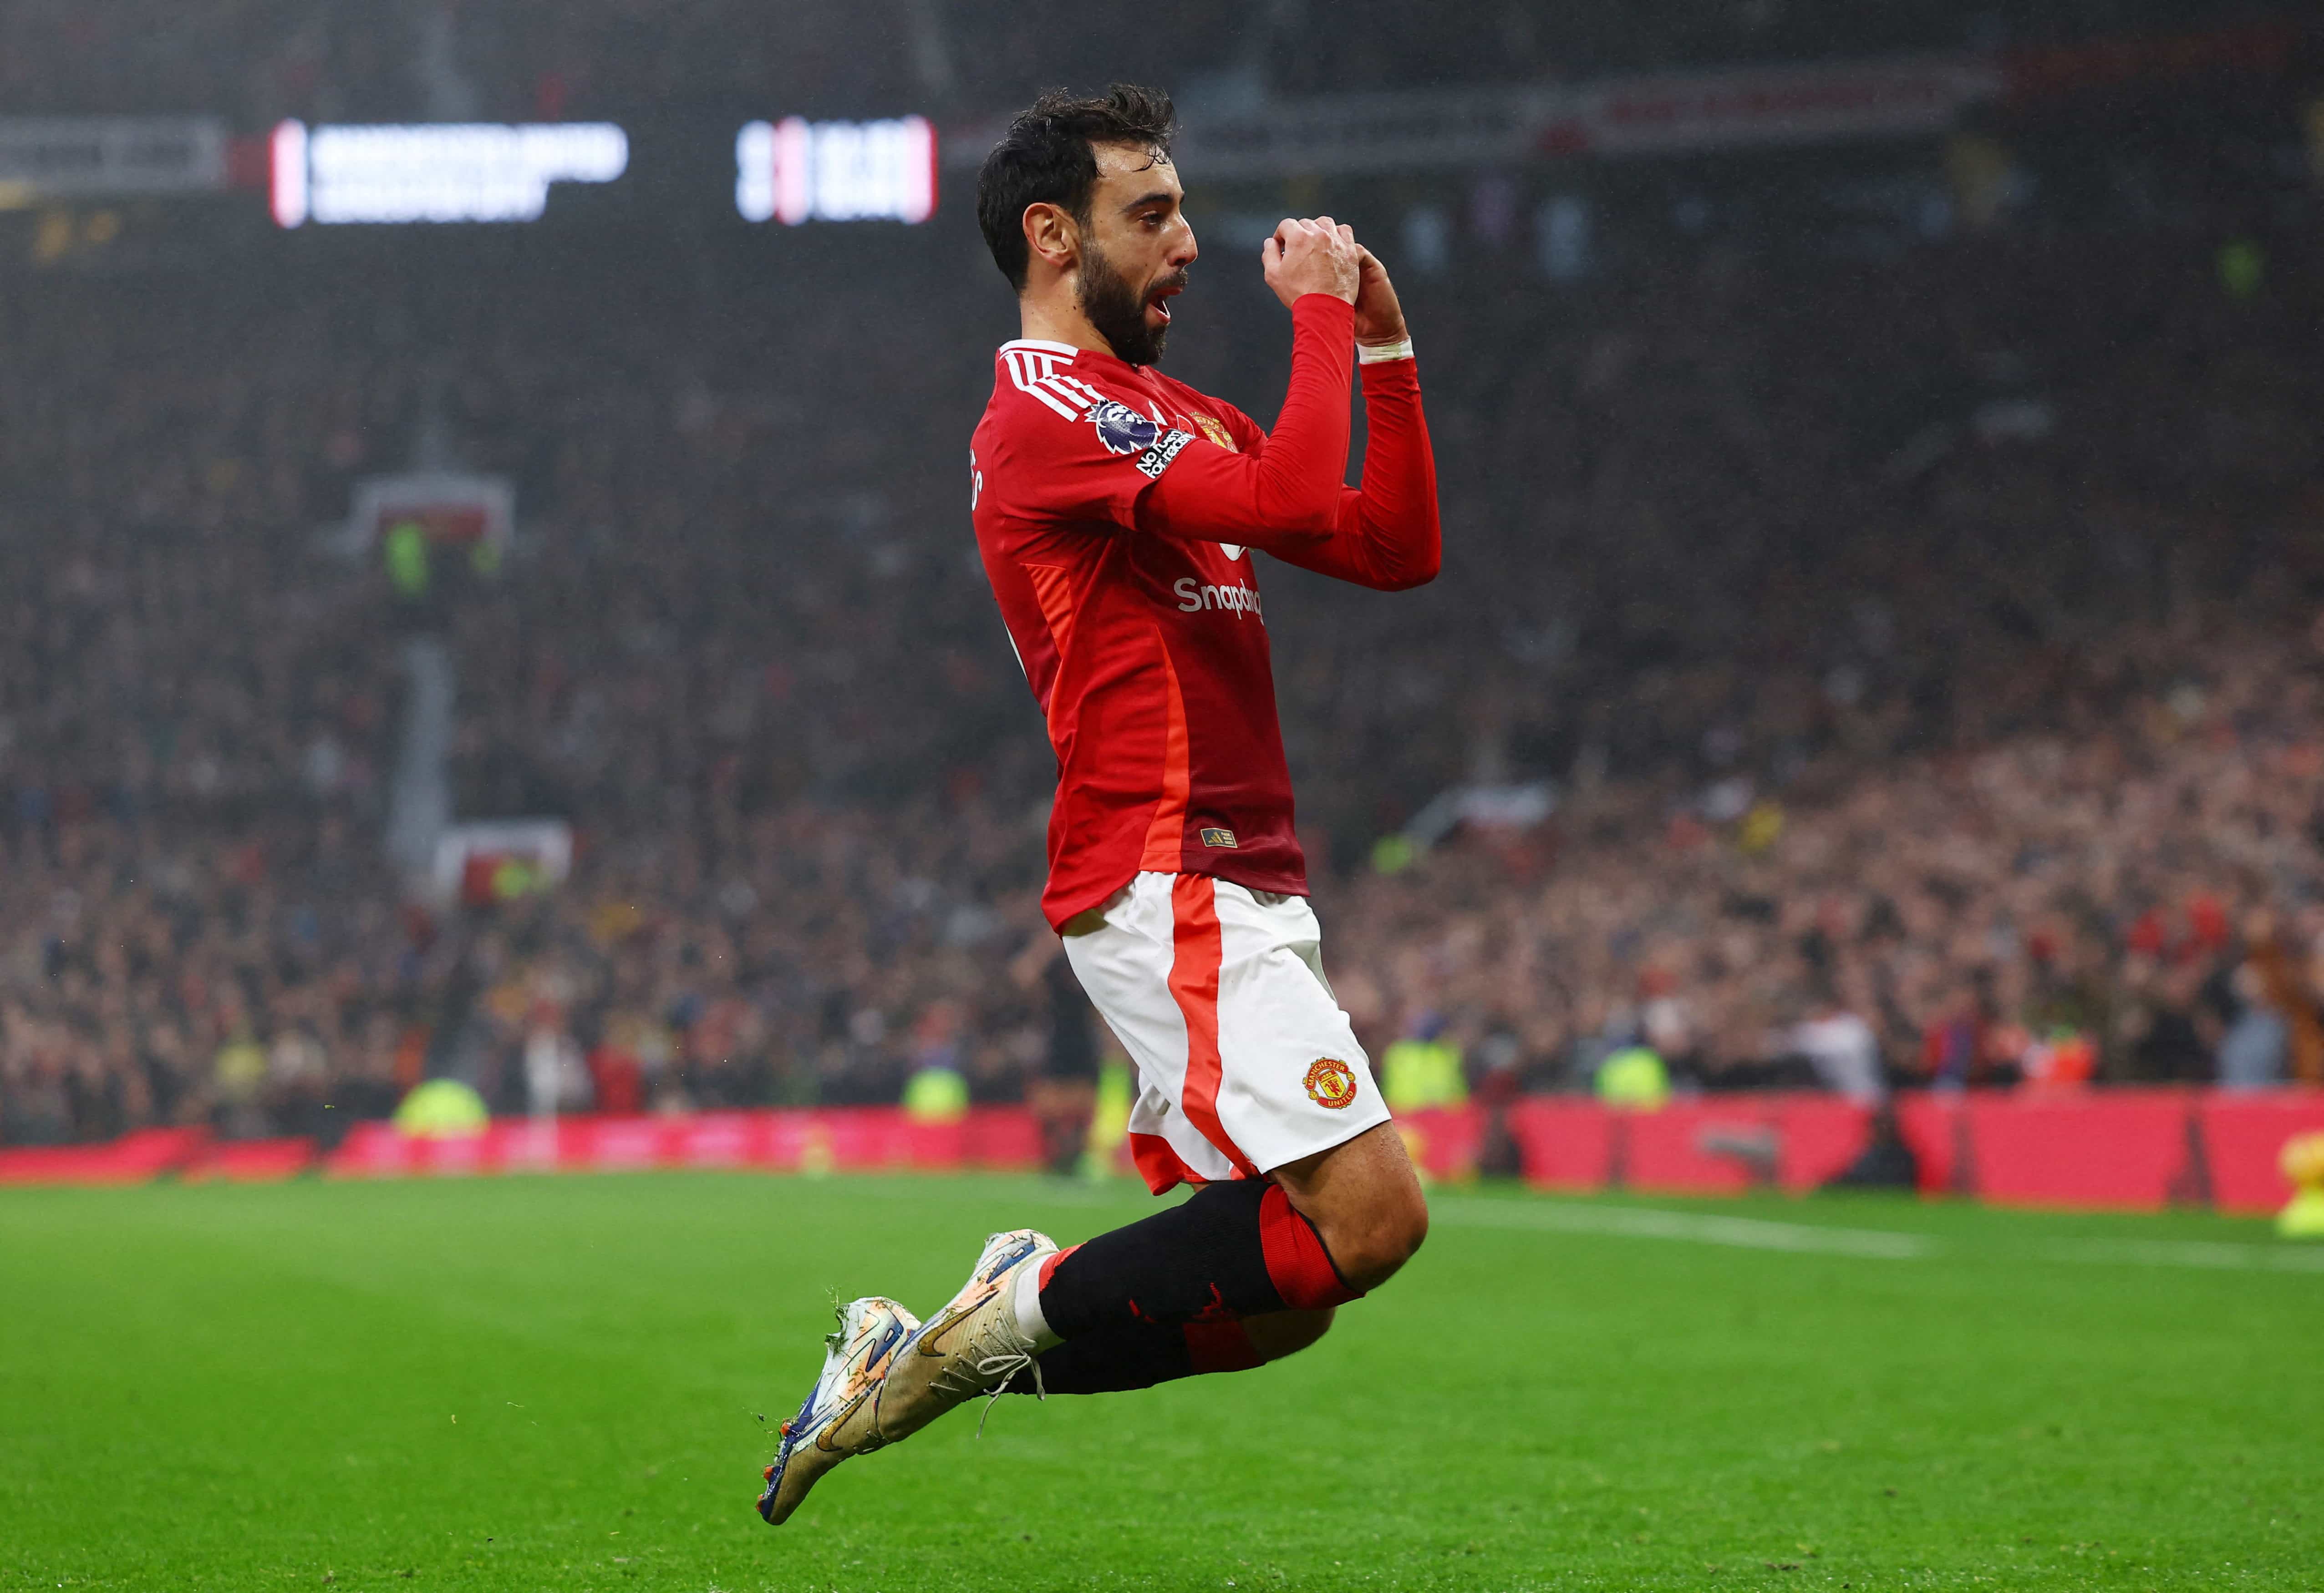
x,y
1755,1233
2219,1256
1551,1215
1642,1222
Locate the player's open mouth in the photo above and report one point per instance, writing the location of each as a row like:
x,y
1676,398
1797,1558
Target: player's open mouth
x,y
1159,301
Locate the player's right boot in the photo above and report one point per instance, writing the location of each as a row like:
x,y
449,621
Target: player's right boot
x,y
835,1421
972,1347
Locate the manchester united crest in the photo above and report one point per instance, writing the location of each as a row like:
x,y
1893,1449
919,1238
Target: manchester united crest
x,y
1217,432
1331,1083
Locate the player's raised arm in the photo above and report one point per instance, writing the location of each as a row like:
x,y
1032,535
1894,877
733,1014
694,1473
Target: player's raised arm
x,y
1384,534
1291,488
1387,534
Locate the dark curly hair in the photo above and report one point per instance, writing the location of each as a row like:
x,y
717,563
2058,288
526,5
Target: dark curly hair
x,y
1049,157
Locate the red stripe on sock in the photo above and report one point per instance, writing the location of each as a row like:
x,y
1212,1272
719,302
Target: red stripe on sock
x,y
1195,986
1220,1347
1049,1267
1298,1265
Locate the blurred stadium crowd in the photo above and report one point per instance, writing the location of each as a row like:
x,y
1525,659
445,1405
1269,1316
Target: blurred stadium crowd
x,y
1917,650
351,61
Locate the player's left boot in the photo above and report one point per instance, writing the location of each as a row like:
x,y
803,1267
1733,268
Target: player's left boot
x,y
973,1346
835,1421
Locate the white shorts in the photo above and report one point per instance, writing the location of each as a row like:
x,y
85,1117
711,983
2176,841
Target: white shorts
x,y
1245,1061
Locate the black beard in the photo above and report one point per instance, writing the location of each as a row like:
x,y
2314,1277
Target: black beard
x,y
1118,313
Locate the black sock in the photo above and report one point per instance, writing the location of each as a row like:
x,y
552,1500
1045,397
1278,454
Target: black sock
x,y
1139,1355
1131,1355
1235,1249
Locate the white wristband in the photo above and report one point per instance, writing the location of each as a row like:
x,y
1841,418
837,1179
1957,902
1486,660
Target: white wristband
x,y
1373,353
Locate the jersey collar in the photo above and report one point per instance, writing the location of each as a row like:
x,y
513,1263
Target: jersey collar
x,y
1093,361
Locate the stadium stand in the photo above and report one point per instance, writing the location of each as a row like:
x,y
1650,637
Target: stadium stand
x,y
351,61
1881,658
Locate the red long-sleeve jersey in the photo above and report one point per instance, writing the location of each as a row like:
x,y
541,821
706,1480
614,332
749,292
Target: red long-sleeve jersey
x,y
1116,511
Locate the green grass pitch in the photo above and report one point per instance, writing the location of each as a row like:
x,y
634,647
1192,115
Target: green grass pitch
x,y
558,1383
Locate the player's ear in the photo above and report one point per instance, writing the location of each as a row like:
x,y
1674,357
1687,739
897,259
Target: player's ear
x,y
1052,235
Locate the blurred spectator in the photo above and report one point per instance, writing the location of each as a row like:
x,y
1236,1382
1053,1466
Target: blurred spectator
x,y
2253,1053
1842,1049
1875,735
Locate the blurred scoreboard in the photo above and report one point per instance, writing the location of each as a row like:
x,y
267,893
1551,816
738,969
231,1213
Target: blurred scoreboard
x,y
795,170
435,171
791,170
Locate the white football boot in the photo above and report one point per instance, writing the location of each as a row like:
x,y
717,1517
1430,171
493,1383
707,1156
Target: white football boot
x,y
974,1346
835,1421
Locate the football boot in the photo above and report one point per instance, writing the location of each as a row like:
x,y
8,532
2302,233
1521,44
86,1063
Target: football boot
x,y
835,1420
973,1346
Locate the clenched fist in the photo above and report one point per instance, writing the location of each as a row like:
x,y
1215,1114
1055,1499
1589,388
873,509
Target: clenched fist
x,y
1312,256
